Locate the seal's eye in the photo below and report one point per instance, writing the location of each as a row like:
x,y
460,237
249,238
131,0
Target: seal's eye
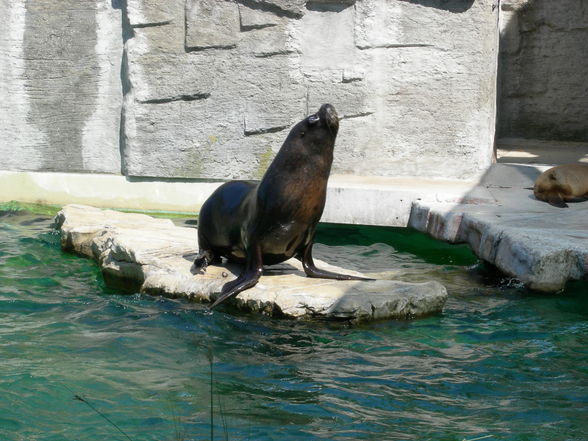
x,y
313,119
302,134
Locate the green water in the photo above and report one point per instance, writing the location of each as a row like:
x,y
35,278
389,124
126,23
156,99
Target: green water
x,y
500,363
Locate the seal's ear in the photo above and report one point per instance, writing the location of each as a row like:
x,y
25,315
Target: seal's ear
x,y
313,119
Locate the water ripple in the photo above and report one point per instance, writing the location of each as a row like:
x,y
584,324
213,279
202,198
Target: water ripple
x,y
499,361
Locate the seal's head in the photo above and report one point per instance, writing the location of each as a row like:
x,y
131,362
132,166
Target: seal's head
x,y
325,118
567,182
308,147
545,184
316,133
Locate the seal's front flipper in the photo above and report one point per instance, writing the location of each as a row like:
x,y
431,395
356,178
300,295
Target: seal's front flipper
x,y
312,271
203,259
247,279
556,200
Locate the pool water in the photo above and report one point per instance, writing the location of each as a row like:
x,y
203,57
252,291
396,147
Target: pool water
x,y
80,361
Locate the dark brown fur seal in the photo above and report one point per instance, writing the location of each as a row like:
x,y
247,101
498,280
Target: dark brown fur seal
x,y
275,220
563,183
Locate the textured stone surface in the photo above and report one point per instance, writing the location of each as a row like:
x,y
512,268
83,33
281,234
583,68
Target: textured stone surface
x,y
535,151
60,90
541,245
543,70
251,69
154,256
143,13
211,88
211,24
253,18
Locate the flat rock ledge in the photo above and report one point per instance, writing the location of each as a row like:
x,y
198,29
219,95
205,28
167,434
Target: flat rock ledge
x,y
542,246
154,256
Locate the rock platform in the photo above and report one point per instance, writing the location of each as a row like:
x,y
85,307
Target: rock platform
x,y
145,254
541,245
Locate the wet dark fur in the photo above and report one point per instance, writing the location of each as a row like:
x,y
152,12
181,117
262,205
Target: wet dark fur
x,y
275,220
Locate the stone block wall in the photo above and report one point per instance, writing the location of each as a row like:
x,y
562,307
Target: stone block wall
x,y
60,93
208,89
543,66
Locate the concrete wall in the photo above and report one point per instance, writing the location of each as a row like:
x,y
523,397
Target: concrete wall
x,y
60,93
208,89
543,66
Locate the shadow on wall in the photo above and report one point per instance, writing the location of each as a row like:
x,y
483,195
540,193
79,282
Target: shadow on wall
x,y
322,6
542,70
455,6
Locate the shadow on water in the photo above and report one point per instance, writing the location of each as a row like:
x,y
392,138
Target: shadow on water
x,y
403,240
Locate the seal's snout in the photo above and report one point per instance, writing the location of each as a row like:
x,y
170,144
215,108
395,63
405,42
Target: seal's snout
x,y
328,113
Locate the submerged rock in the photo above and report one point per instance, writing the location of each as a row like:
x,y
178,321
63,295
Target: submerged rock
x,y
141,253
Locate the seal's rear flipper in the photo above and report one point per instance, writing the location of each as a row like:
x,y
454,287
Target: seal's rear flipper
x,y
247,279
577,199
312,271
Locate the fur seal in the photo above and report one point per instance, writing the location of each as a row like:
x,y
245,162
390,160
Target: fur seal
x,y
274,220
563,183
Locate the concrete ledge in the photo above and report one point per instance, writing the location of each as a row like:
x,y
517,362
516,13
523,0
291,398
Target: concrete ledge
x,y
541,245
387,201
154,256
350,199
107,191
537,151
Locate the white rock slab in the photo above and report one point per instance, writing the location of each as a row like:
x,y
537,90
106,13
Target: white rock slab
x,y
542,246
154,256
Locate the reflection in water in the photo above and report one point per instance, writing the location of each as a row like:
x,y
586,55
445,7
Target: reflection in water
x,y
499,361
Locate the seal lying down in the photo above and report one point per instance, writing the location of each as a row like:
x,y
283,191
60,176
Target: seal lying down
x,y
270,222
562,183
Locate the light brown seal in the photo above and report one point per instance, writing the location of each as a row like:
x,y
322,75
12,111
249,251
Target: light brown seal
x,y
563,183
